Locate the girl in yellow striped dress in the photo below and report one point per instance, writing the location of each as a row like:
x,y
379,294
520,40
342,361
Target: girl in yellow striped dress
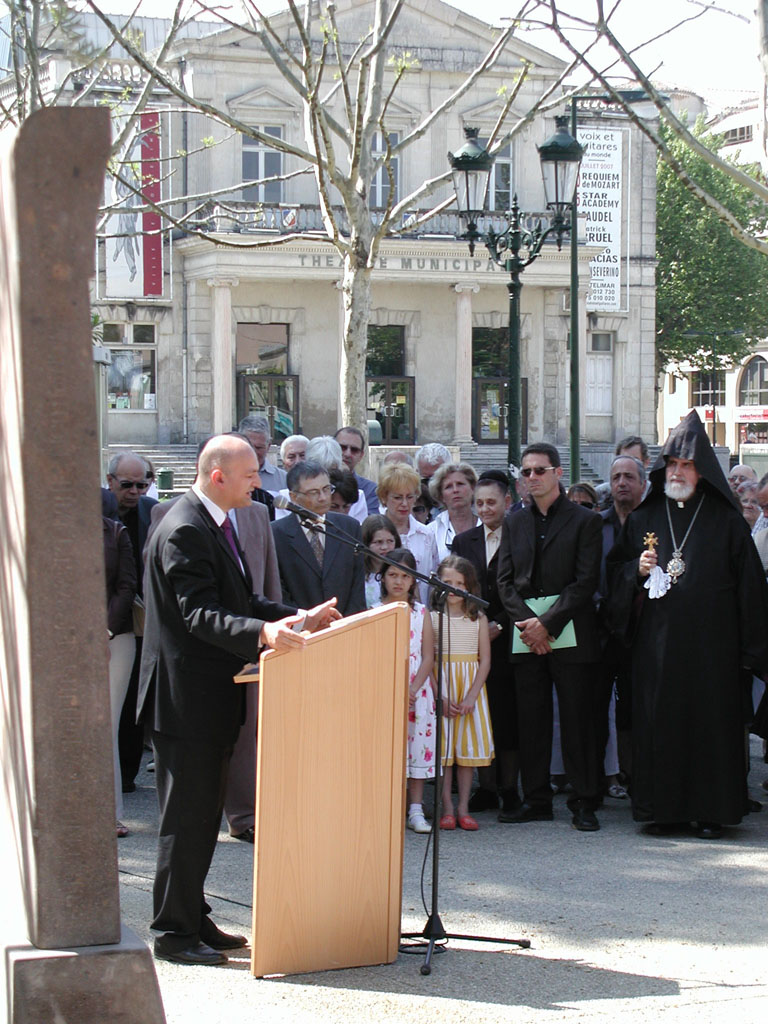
x,y
467,737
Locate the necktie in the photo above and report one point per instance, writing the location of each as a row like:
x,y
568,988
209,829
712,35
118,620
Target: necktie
x,y
492,543
317,546
229,533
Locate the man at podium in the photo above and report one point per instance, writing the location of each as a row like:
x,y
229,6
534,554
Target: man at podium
x,y
203,623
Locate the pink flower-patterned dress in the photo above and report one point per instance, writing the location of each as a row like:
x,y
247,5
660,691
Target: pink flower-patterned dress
x,y
421,714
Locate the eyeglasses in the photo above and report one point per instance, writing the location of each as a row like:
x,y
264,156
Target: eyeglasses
x,y
584,504
128,485
355,449
538,470
318,492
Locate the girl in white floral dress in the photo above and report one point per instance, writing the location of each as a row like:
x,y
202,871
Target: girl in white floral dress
x,y
397,585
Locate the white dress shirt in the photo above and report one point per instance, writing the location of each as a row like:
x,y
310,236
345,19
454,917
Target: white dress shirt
x,y
492,542
444,533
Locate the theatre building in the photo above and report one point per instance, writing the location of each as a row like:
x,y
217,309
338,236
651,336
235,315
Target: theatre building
x,y
203,333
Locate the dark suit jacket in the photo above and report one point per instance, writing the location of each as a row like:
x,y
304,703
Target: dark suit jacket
x,y
255,538
202,625
471,545
570,567
120,568
146,505
368,487
343,572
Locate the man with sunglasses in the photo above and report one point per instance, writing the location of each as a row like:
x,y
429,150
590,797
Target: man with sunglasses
x,y
552,549
127,479
352,445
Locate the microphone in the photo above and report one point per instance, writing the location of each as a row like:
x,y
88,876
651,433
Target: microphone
x,y
282,502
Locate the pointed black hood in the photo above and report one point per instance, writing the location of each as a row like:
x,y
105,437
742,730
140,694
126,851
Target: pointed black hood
x,y
689,441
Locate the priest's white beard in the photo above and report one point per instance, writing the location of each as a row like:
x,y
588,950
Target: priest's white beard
x,y
678,492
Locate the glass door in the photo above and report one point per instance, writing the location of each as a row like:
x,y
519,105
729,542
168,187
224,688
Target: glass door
x,y
490,410
390,401
273,396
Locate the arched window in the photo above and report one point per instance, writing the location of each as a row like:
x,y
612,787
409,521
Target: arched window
x,y
753,389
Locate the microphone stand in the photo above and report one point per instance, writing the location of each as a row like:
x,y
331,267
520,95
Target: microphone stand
x,y
434,930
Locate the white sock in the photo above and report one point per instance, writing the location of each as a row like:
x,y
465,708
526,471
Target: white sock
x,y
415,809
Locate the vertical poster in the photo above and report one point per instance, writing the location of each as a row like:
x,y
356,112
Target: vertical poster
x,y
600,203
134,244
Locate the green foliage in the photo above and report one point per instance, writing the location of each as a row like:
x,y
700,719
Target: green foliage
x,y
402,62
707,282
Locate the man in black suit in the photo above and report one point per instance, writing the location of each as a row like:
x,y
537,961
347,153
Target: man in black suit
x,y
203,624
480,546
127,479
315,564
552,549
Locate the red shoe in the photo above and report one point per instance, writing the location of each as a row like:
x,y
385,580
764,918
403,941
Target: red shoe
x,y
448,822
468,823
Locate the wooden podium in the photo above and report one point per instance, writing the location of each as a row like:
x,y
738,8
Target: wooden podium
x,y
330,797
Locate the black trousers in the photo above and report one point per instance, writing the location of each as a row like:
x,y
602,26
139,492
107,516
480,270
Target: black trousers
x,y
575,684
502,704
191,777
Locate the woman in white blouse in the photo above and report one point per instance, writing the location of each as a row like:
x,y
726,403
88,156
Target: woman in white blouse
x,y
399,487
453,486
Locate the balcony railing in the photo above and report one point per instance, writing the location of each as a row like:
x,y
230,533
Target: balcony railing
x,y
285,219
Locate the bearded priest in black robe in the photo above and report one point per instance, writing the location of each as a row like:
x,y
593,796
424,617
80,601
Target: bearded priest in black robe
x,y
688,593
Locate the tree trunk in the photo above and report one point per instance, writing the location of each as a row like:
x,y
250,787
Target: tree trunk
x,y
356,291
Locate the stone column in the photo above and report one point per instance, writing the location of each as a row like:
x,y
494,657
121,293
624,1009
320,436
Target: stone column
x,y
463,416
66,957
222,370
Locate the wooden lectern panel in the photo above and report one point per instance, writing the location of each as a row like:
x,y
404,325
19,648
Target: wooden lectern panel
x,y
330,797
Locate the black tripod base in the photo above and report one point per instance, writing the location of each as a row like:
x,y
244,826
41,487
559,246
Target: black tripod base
x,y
435,932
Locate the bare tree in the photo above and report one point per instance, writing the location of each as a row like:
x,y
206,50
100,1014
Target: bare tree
x,y
345,99
346,92
581,28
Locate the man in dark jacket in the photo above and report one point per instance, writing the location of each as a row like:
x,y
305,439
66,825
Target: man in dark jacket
x,y
204,623
127,479
550,555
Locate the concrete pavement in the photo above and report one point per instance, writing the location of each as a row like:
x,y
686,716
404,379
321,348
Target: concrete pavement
x,y
623,926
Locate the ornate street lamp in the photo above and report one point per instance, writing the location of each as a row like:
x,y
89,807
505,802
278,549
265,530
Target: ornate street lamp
x,y
516,247
470,169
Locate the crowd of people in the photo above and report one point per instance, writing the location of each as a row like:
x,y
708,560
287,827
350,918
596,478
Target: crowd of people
x,y
618,652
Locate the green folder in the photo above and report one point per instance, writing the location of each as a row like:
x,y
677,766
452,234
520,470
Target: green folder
x,y
538,606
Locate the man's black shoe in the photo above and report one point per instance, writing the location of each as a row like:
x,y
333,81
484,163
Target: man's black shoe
x,y
525,813
214,937
129,787
197,955
510,800
708,830
483,800
246,836
661,828
584,820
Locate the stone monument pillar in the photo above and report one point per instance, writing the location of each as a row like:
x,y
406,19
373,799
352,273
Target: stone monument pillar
x,y
66,957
